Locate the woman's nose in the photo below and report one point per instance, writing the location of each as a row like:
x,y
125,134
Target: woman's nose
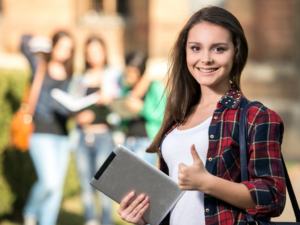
x,y
206,57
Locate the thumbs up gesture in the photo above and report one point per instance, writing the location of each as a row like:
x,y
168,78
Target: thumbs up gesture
x,y
193,177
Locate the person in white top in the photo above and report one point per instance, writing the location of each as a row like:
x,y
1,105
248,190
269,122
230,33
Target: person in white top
x,y
201,151
190,207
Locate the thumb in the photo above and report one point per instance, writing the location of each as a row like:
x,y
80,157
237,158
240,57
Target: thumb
x,y
195,155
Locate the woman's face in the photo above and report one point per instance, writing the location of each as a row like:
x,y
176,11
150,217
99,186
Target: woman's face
x,y
132,74
95,54
209,54
62,50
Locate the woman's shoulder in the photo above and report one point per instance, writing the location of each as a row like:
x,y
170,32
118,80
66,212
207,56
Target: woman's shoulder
x,y
259,113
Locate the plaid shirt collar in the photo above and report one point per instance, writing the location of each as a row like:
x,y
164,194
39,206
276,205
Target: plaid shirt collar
x,y
231,99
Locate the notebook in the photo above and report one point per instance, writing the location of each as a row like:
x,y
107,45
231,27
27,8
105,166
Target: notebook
x,y
123,172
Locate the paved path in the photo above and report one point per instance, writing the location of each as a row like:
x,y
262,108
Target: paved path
x,y
288,213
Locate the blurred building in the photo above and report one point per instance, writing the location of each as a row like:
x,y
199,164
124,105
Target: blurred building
x,y
272,28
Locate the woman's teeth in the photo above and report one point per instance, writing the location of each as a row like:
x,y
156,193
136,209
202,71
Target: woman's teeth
x,y
207,71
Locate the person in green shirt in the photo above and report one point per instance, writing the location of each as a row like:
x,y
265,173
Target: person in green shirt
x,y
145,97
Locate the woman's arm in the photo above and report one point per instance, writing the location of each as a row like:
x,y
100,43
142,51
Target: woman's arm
x,y
24,48
266,176
266,186
196,177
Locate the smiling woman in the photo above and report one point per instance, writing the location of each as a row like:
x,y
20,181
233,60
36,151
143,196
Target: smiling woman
x,y
209,54
198,142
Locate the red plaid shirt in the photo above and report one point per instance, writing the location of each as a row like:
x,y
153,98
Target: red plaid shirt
x,y
267,182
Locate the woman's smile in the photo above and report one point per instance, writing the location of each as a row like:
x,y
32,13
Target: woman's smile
x,y
207,71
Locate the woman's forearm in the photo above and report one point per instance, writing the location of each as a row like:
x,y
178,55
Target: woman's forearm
x,y
141,87
236,194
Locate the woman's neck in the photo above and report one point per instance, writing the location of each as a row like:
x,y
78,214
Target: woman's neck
x,y
57,70
211,95
95,71
95,76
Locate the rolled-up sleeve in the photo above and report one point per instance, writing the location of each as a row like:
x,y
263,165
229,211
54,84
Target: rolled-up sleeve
x,y
266,175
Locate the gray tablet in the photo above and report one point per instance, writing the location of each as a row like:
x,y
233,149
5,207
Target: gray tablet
x,y
124,171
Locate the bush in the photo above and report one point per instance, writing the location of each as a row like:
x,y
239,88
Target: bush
x,y
12,84
16,170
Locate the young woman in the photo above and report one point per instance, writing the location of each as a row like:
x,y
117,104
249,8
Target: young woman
x,y
150,106
48,148
96,141
198,142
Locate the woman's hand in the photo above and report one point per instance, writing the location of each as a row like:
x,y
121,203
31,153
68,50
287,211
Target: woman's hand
x,y
133,213
194,177
104,98
85,117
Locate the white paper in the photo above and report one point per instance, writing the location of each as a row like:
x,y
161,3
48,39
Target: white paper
x,y
71,103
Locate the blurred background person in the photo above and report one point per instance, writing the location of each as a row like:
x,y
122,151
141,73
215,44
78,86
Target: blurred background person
x,y
48,145
145,98
95,139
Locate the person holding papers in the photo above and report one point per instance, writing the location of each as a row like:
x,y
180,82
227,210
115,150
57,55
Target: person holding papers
x,y
150,105
48,145
95,142
198,142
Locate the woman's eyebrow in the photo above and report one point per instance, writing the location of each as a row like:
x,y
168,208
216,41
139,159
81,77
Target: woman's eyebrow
x,y
192,42
215,44
220,44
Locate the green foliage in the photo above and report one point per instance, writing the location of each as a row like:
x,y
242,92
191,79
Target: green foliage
x,y
17,173
12,84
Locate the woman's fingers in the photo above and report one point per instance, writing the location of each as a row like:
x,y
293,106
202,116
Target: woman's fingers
x,y
136,212
141,212
134,204
135,216
133,213
124,202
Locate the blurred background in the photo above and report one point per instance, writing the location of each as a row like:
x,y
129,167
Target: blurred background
x,y
272,29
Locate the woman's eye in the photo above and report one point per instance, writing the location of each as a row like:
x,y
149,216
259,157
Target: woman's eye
x,y
219,49
195,48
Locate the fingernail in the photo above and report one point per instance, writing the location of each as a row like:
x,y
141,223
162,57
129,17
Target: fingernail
x,y
142,196
132,193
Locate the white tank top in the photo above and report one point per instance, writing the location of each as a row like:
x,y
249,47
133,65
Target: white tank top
x,y
176,149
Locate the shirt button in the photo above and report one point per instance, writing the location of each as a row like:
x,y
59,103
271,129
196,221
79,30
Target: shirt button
x,y
212,136
209,159
207,210
281,205
215,117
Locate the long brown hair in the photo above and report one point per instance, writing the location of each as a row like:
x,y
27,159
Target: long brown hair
x,y
182,89
68,63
